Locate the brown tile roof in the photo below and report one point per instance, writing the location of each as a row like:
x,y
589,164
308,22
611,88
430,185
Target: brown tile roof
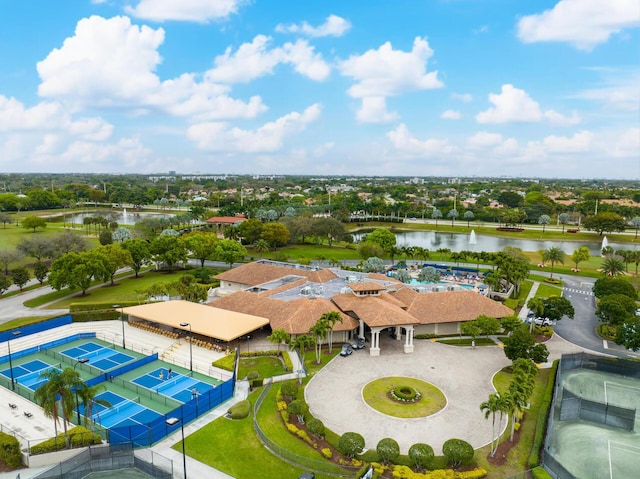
x,y
366,286
382,277
230,220
295,317
450,306
256,273
373,310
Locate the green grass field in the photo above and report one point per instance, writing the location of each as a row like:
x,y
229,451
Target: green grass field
x,y
546,291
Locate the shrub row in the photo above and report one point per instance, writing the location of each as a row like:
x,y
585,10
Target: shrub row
x,y
78,437
10,450
83,312
405,472
540,473
541,423
240,410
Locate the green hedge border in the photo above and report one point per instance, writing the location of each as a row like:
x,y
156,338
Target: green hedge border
x,y
543,415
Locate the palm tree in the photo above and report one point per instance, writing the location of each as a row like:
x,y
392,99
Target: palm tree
x,y
627,257
468,215
87,395
57,396
435,215
490,408
301,343
279,336
261,246
319,332
544,220
393,252
563,219
332,318
453,214
553,255
612,266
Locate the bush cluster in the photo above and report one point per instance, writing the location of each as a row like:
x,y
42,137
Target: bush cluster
x,y
541,423
405,472
240,410
78,437
405,394
10,450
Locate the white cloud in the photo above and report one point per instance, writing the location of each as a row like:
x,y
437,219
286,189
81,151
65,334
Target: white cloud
x,y
387,72
333,26
201,11
111,63
627,145
511,105
463,97
374,110
256,59
212,136
582,23
618,90
451,115
323,149
405,142
579,142
558,119
484,139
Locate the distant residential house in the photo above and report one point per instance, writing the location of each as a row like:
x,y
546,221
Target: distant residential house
x,y
222,221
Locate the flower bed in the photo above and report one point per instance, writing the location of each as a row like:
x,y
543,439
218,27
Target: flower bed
x,y
405,394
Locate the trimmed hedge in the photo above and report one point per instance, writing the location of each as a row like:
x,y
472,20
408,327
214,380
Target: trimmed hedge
x,y
10,450
540,473
78,437
240,410
288,365
541,423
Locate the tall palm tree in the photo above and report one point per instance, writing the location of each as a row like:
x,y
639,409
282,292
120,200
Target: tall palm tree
x,y
87,395
553,255
332,318
490,408
301,343
319,331
56,396
261,246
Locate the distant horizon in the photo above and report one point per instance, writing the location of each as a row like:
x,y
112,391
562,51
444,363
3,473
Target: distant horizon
x,y
322,88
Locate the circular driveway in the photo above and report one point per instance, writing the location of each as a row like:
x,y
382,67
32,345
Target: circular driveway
x,y
463,374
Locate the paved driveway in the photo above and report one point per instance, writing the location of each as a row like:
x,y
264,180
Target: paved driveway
x,y
463,374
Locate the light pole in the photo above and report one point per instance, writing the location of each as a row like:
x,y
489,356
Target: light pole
x,y
15,334
248,338
172,421
184,325
116,306
78,361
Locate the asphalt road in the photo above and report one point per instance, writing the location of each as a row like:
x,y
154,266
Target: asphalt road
x,y
582,329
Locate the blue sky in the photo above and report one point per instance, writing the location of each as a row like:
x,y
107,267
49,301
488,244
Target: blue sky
x,y
544,88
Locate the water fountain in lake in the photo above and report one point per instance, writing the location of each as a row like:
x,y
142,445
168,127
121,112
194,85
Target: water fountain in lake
x,y
605,243
472,237
124,215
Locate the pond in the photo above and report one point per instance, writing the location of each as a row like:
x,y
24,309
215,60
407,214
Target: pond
x,y
433,240
121,217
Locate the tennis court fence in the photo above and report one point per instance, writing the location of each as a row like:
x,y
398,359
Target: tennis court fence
x,y
110,458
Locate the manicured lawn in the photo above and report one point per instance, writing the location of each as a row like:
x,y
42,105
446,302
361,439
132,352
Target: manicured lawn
x,y
518,456
514,303
267,366
124,290
20,322
546,290
233,447
376,395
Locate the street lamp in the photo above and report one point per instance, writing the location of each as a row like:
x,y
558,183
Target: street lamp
x,y
15,334
172,421
184,325
116,306
79,361
248,338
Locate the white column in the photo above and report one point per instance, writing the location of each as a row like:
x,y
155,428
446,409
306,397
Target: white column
x,y
398,333
408,345
374,350
361,330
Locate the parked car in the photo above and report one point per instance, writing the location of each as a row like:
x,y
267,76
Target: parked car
x,y
307,475
542,322
346,350
358,343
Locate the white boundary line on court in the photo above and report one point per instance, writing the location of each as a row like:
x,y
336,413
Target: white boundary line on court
x,y
609,442
624,386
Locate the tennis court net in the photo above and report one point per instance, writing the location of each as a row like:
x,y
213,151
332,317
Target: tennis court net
x,y
112,411
30,379
169,383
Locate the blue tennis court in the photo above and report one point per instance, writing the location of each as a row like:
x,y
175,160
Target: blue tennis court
x,y
121,412
28,374
99,356
177,386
